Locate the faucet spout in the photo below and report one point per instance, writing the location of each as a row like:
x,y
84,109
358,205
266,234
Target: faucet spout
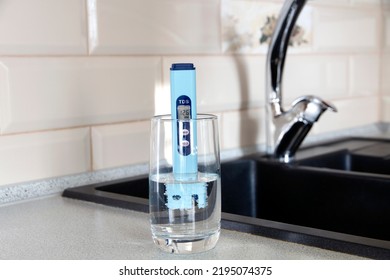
x,y
292,126
286,129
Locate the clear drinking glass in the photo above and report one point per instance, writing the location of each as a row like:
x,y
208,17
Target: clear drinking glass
x,y
184,183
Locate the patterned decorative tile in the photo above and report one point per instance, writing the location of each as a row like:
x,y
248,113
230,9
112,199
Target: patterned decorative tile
x,y
247,26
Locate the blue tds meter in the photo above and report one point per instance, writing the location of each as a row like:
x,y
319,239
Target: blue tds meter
x,y
183,110
185,192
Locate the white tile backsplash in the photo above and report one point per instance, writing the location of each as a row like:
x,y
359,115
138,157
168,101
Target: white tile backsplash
x,y
322,75
365,75
385,74
242,128
32,156
330,2
385,106
387,31
346,30
49,93
43,27
79,79
350,113
224,82
120,144
153,26
374,3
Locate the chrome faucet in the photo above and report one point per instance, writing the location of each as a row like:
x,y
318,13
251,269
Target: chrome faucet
x,y
287,129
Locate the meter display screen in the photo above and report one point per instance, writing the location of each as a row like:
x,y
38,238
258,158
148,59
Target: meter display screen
x,y
183,112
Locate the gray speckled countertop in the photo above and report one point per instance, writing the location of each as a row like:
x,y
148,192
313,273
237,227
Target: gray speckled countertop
x,y
54,227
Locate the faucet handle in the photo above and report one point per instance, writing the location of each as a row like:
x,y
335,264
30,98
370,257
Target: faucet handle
x,y
311,107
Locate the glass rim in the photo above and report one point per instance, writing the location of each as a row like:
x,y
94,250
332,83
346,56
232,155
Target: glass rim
x,y
168,117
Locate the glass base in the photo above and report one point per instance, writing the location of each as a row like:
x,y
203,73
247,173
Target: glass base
x,y
185,246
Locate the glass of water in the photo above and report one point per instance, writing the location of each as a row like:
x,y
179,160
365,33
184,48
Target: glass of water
x,y
184,183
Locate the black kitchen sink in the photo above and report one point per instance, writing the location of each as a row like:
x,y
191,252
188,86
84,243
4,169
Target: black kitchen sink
x,y
335,196
347,161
